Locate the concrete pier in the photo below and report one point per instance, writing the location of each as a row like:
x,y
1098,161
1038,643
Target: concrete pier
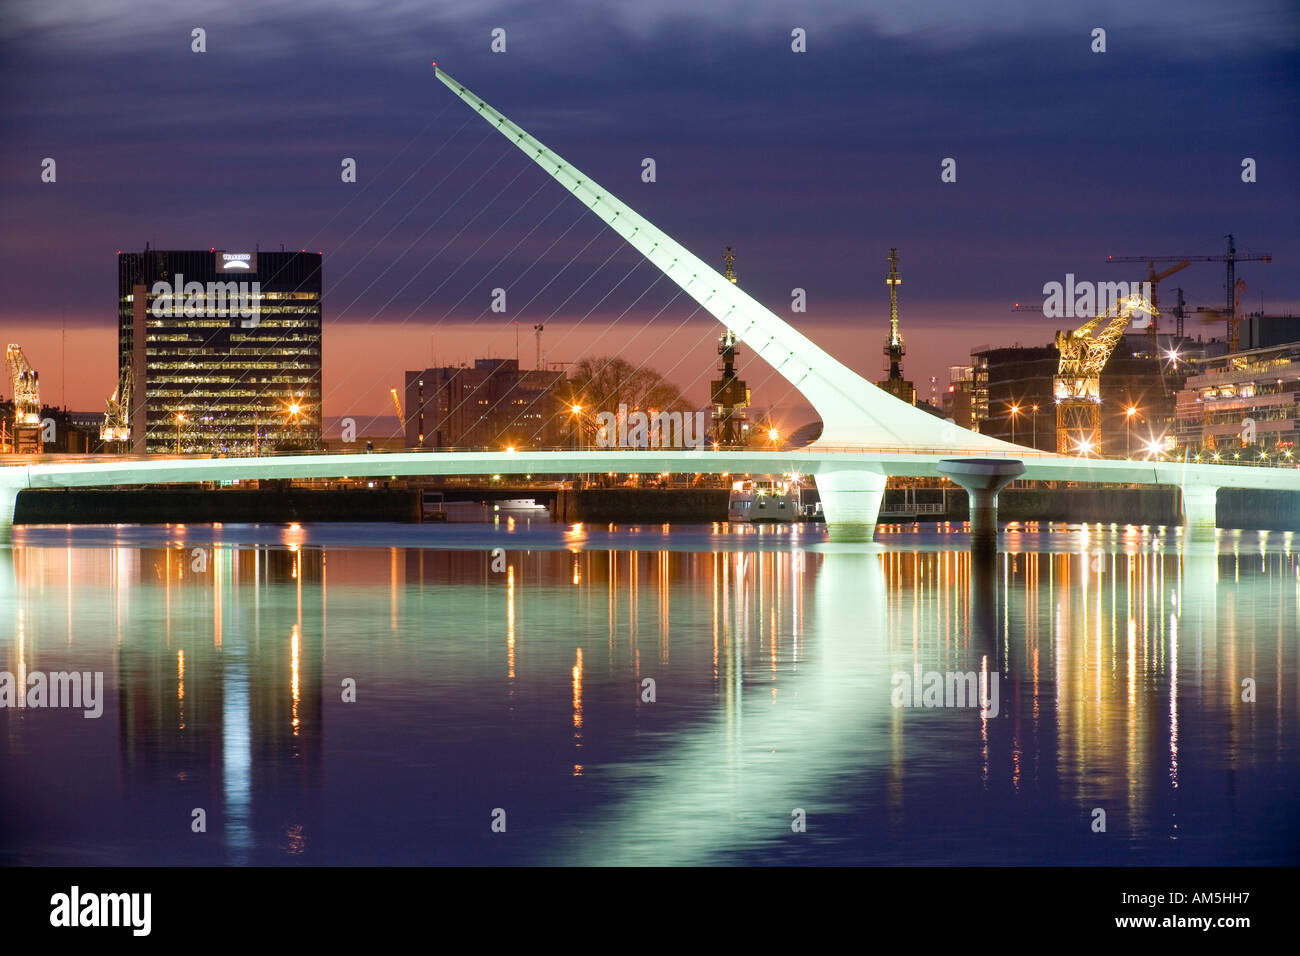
x,y
851,503
982,478
1200,510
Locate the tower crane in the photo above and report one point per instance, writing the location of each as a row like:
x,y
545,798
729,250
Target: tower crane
x,y
1230,287
1077,385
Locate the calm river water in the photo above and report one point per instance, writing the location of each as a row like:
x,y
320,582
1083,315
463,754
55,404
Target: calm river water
x,y
649,695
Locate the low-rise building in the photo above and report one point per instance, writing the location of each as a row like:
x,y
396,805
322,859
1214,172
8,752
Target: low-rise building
x,y
1246,399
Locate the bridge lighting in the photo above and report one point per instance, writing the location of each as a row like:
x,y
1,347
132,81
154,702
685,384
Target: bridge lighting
x,y
510,449
1216,456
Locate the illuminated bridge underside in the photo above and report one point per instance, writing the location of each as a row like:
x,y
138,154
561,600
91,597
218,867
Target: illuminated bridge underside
x,y
831,467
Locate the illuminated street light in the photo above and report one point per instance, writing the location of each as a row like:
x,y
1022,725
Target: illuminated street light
x,y
1015,410
1128,430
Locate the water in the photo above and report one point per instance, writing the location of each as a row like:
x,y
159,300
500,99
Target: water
x,y
1118,658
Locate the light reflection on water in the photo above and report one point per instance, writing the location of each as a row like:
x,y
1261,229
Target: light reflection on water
x,y
1119,655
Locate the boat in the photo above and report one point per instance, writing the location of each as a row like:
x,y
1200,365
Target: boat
x,y
764,499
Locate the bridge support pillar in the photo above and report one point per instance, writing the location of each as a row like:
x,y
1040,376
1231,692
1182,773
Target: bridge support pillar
x,y
851,503
1200,510
8,501
982,478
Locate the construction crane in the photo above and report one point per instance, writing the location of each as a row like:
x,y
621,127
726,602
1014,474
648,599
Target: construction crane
x,y
1077,385
1230,286
24,383
397,404
117,414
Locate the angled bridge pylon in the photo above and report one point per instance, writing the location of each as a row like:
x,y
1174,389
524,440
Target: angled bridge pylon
x,y
853,411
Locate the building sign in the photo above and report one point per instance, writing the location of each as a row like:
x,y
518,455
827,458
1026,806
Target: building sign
x,y
236,261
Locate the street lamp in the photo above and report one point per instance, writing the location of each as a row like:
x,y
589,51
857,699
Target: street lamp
x,y
773,436
1015,410
180,417
1128,429
1035,407
294,412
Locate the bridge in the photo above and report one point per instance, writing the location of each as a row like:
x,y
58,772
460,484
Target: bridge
x,y
867,434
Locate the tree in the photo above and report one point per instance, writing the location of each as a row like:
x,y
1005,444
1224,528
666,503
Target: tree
x,y
602,383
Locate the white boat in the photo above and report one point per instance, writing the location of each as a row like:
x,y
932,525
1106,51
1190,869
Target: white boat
x,y
763,499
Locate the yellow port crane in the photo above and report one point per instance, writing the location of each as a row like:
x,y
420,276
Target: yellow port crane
x,y
397,404
1077,385
117,414
26,387
27,402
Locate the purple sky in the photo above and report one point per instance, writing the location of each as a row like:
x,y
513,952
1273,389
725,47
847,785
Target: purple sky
x,y
812,165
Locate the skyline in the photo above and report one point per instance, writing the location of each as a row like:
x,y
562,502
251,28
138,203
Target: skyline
x,y
751,151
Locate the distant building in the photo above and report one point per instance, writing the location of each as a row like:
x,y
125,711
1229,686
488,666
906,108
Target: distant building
x,y
959,400
1249,398
1019,378
223,349
495,404
1259,331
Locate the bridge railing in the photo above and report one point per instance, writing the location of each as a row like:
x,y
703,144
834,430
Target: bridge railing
x,y
1026,454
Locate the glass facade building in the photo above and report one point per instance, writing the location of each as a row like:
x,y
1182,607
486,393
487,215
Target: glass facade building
x,y
223,350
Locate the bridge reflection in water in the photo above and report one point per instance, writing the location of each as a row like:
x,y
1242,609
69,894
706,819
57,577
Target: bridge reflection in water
x,y
1118,661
